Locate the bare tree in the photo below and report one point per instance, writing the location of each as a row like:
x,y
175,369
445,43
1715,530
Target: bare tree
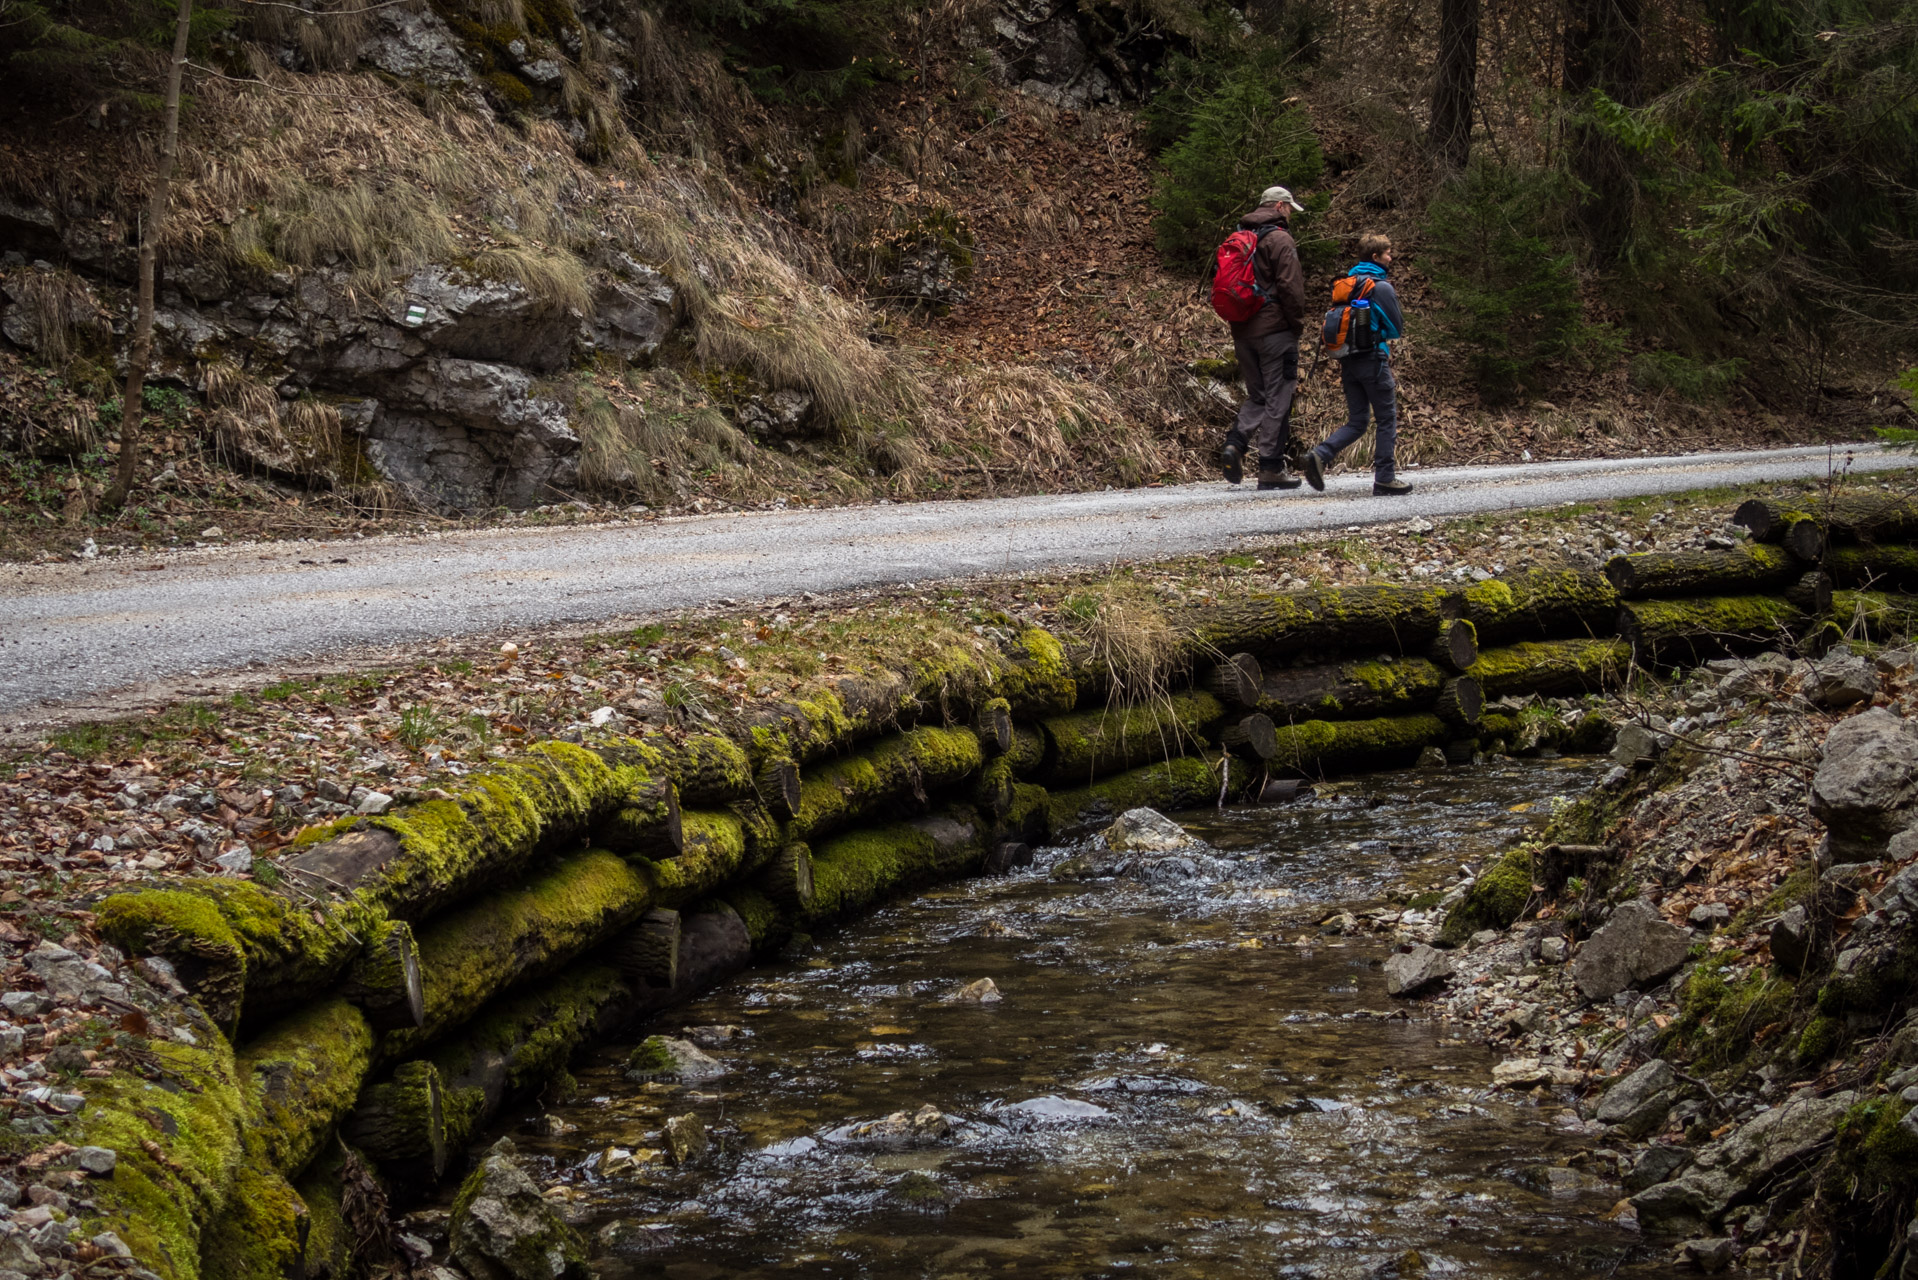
x,y
1604,54
1455,92
150,228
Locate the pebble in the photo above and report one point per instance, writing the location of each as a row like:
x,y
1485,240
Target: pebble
x,y
984,991
99,1161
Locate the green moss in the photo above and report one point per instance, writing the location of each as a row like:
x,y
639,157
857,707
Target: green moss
x,y
512,90
191,932
1875,1149
322,832
1496,898
1822,1037
1551,667
1313,745
651,1057
715,852
1719,1020
896,770
766,924
329,1245
1091,744
1038,680
301,1078
856,869
1185,783
261,1233
472,954
531,1252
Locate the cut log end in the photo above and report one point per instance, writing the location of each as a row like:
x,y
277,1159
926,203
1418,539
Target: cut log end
x,y
402,1119
1255,735
385,980
994,726
788,880
1237,681
778,786
1456,647
1805,539
1812,592
649,951
1461,703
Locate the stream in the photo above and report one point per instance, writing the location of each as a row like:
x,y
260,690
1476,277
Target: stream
x,y
1185,1076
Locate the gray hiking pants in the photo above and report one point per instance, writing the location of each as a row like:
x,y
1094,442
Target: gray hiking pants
x,y
1369,392
1269,364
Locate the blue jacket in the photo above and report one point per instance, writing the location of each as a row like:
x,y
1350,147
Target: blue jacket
x,y
1385,303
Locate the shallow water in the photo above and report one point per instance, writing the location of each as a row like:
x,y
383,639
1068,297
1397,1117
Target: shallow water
x,y
1184,1077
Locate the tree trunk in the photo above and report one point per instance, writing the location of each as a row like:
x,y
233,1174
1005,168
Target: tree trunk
x,y
1543,604
649,826
709,769
1317,745
1370,619
385,980
992,793
132,401
299,1079
856,869
1864,517
1604,54
1812,592
1694,573
648,953
898,773
1687,632
1090,744
777,785
1455,91
1350,690
1028,754
1456,647
1235,682
1875,568
718,848
1252,736
1552,667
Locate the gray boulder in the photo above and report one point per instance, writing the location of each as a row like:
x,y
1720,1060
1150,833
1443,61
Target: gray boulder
x,y
1634,949
415,45
781,413
1634,743
665,1058
1639,1103
1866,788
1791,940
1409,972
1840,682
1654,1165
1740,1166
1147,831
631,317
504,1229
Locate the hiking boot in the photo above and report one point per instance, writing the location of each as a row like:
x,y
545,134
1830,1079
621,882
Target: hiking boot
x,y
1390,488
1277,478
1231,462
1314,469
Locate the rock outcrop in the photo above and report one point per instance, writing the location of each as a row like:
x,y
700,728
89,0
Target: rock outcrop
x,y
1866,788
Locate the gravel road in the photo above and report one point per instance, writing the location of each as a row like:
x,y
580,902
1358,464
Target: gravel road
x,y
83,631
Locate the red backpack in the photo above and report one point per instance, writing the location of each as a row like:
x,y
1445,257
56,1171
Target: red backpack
x,y
1236,295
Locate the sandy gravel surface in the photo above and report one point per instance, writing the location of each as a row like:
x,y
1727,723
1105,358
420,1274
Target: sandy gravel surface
x,y
83,631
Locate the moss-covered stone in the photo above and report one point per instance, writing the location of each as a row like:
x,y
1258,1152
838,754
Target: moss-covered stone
x,y
902,769
474,953
515,1233
1496,898
1091,744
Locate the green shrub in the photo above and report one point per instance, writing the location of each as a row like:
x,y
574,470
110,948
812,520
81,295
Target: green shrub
x,y
1510,291
1699,381
1239,142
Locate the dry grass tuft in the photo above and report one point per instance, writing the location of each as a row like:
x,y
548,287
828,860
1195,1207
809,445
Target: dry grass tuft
x,y
61,313
1128,635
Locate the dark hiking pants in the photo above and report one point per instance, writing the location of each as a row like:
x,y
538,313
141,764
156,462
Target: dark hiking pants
x,y
1270,366
1369,392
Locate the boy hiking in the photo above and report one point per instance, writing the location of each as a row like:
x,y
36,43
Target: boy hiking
x,y
1260,289
1365,317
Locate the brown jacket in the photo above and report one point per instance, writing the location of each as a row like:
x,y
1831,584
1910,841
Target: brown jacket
x,y
1276,268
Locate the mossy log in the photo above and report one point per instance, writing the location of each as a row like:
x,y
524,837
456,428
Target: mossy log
x,y
902,769
402,1118
993,723
1863,517
236,945
1186,783
647,824
329,1242
1028,819
856,869
1875,615
1874,568
1801,531
777,786
1541,604
1552,667
1374,619
1028,753
706,768
1460,703
384,980
717,849
1350,690
992,790
1811,592
1455,648
768,925
1688,632
1236,681
1091,744
1742,570
1252,735
1314,746
787,880
471,955
299,1079
260,1234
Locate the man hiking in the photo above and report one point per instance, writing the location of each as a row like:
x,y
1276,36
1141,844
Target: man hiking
x,y
1370,321
1267,343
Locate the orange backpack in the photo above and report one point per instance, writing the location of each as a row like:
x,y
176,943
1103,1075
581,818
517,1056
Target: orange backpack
x,y
1348,329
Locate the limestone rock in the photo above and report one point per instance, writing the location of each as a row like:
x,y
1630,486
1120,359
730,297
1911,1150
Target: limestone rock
x,y
503,1228
1634,948
1639,1103
686,1138
1840,682
984,991
1147,831
1740,1166
415,45
1634,743
1791,940
667,1059
781,413
631,317
1409,972
1866,788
